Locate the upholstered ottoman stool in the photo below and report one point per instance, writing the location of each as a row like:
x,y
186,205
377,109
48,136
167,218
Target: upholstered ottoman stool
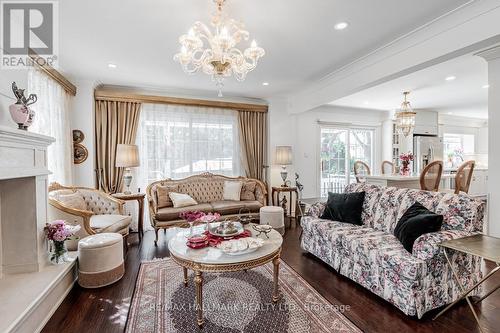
x,y
100,260
273,216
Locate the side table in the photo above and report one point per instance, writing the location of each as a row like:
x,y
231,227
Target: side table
x,y
139,197
483,246
275,196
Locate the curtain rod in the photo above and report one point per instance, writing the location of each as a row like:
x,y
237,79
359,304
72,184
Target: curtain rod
x,y
53,73
115,95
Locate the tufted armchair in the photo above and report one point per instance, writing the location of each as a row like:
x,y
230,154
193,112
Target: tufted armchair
x,y
95,211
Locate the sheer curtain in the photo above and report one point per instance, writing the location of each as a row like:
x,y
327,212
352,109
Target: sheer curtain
x,y
177,141
52,119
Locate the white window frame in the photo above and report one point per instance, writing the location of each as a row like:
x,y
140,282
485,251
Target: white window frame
x,y
348,128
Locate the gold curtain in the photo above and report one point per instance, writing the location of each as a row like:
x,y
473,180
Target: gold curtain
x,y
253,138
115,123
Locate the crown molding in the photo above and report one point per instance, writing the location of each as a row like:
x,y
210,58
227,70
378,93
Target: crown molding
x,y
53,73
490,54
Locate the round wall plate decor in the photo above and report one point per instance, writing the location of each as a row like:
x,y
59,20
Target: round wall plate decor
x,y
78,136
80,153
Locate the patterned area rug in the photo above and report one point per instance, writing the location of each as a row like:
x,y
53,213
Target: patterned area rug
x,y
233,302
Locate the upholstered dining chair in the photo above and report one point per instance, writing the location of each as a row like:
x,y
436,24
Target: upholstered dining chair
x,y
388,168
464,176
431,176
95,211
361,169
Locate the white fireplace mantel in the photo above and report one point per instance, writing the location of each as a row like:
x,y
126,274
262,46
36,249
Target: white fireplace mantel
x,y
23,200
30,287
22,153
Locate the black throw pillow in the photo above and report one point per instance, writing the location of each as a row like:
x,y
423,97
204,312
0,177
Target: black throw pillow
x,y
415,222
344,207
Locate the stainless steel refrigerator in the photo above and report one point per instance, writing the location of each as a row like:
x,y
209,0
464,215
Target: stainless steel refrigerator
x,y
426,149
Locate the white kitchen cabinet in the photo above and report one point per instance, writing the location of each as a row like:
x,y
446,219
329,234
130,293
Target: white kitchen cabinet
x,y
426,123
479,182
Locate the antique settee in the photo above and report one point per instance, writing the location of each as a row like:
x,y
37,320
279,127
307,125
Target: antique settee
x,y
373,257
95,211
207,189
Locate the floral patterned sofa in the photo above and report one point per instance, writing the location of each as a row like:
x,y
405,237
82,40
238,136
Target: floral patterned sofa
x,y
372,256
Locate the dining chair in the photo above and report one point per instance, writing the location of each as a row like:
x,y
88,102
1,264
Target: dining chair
x,y
431,176
464,176
361,169
388,168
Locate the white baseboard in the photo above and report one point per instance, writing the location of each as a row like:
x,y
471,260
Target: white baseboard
x,y
56,306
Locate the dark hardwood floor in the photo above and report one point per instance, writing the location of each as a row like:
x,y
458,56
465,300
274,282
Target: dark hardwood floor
x,y
106,309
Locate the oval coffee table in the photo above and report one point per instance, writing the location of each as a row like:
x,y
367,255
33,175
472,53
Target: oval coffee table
x,y
213,260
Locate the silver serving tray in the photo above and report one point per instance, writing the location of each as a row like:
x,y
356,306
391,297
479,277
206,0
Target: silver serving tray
x,y
237,225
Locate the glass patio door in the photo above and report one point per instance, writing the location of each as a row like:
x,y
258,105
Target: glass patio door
x,y
340,148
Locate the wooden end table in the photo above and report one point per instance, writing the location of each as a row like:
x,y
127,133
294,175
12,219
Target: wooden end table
x,y
213,260
139,197
275,196
483,246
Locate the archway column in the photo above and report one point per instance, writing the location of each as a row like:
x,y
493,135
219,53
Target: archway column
x,y
492,56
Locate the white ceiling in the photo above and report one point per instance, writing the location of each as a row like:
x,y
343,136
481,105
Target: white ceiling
x,y
140,37
464,96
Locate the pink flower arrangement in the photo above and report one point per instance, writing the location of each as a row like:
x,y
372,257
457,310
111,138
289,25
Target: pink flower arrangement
x,y
406,157
191,216
59,231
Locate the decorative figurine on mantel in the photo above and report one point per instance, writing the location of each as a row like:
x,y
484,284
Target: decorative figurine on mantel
x,y
20,112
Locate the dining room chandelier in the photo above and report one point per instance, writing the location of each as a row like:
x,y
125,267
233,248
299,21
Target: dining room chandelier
x,y
405,117
216,53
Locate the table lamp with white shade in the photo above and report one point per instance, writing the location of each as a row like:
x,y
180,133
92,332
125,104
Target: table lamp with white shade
x,y
284,158
127,156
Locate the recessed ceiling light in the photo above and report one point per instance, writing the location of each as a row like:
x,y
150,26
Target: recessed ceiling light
x,y
450,78
486,86
111,65
341,26
366,103
450,112
265,83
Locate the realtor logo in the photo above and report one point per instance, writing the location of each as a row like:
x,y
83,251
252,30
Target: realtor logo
x,y
28,33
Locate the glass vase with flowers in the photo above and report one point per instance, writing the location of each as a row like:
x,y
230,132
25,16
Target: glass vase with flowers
x,y
191,217
405,162
58,232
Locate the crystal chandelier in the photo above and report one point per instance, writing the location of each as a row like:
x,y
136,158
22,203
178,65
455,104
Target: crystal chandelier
x,y
405,117
219,57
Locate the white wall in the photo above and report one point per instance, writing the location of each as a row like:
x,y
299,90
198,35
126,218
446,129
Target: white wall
x,y
82,118
281,132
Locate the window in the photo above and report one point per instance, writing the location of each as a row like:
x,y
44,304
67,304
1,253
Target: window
x,y
178,141
340,148
52,119
455,146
